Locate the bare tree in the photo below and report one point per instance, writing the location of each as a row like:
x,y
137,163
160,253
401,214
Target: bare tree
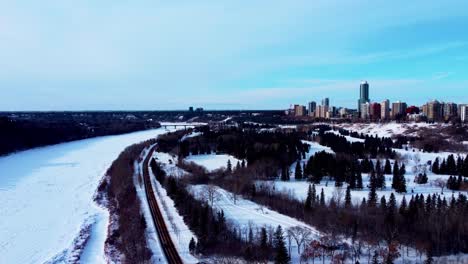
x,y
300,235
338,195
441,184
210,194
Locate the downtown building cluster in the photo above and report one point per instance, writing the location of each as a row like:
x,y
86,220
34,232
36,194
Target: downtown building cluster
x,y
384,110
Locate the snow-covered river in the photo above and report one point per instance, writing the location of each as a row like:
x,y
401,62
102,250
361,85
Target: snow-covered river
x,y
46,195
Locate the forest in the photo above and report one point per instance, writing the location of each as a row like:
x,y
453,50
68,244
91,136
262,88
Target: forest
x,y
431,224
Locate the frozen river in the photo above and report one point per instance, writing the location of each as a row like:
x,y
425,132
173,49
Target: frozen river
x,y
46,196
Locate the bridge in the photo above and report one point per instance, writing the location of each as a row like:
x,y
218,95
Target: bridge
x,y
181,125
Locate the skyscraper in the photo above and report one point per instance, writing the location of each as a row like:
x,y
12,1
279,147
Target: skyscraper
x,y
312,107
326,102
363,94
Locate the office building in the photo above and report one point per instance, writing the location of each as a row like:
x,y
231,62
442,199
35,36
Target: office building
x,y
326,102
312,108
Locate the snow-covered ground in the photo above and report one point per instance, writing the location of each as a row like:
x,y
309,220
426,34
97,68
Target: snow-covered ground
x,y
415,162
388,129
245,213
46,199
348,138
213,161
169,164
191,135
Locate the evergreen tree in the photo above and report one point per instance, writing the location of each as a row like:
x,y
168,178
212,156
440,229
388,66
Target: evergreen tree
x,y
396,175
378,167
383,204
435,166
348,197
401,184
263,239
243,164
192,246
229,166
308,201
298,172
359,184
388,167
322,198
238,166
402,209
372,201
282,256
402,169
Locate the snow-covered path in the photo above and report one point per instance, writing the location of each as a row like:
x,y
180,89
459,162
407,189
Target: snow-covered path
x,y
46,197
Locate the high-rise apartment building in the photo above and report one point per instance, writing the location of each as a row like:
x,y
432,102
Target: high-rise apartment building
x,y
375,111
449,110
433,110
299,110
363,94
398,109
464,113
385,109
364,110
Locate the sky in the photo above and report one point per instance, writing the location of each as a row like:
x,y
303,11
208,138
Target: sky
x,y
155,55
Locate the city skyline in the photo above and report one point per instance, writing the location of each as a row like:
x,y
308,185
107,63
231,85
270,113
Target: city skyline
x,y
151,55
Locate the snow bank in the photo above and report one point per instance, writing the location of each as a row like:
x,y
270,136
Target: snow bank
x,y
152,238
46,197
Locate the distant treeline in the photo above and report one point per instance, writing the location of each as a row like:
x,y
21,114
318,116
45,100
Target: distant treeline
x,y
22,134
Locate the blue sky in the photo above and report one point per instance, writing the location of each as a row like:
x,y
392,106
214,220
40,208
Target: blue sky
x,y
106,55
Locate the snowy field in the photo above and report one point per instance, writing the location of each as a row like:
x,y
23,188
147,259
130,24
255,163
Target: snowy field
x,y
213,161
168,164
244,213
46,199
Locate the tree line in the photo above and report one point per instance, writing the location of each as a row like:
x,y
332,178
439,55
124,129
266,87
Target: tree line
x,y
22,134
